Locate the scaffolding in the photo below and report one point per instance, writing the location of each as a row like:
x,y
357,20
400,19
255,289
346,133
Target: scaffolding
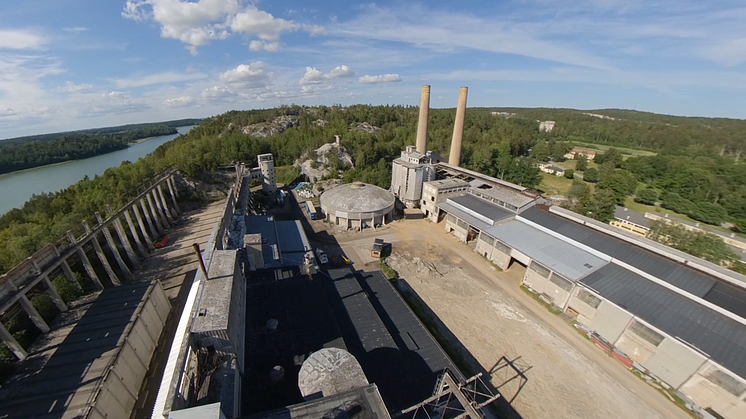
x,y
454,400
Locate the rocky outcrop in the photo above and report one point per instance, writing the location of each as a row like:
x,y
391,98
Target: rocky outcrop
x,y
364,127
318,164
268,129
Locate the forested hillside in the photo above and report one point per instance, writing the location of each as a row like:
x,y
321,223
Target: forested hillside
x,y
39,150
505,147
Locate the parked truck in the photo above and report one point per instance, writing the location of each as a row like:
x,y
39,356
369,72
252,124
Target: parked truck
x,y
311,210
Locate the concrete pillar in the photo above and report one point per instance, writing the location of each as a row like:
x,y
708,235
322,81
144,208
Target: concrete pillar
x,y
423,121
172,190
114,250
34,315
102,256
148,238
154,213
86,263
164,204
69,273
133,230
126,243
58,301
12,343
454,159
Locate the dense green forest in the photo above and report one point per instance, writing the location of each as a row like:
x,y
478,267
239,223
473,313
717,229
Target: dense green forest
x,y
39,150
705,171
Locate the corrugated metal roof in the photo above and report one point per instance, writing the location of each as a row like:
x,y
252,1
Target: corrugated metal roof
x,y
722,338
473,221
563,258
672,272
482,207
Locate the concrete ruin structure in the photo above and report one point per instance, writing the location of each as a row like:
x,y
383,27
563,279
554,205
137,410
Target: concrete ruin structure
x,y
265,171
313,342
94,367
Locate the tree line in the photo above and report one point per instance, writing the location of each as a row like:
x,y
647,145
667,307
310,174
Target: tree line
x,y
507,148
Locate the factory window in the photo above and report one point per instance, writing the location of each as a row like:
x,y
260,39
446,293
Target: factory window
x,y
432,198
503,247
450,218
560,282
725,381
539,269
463,224
589,298
645,333
488,239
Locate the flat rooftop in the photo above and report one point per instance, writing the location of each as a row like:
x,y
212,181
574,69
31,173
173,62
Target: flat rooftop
x,y
448,183
283,242
359,312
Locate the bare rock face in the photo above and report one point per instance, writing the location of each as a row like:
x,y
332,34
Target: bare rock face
x,y
320,122
317,163
364,127
268,129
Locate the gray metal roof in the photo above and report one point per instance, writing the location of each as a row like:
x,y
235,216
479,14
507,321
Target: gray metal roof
x,y
722,338
565,259
481,207
473,221
448,183
501,193
672,272
627,214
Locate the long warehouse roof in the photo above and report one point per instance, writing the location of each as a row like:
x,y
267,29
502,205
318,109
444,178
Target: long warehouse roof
x,y
688,279
715,334
567,260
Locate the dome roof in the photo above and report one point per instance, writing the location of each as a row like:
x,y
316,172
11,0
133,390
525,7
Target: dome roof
x,y
357,197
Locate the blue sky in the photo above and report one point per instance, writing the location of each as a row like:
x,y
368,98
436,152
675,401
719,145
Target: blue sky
x,y
70,64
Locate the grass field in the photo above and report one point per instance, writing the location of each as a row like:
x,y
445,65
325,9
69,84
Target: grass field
x,y
555,185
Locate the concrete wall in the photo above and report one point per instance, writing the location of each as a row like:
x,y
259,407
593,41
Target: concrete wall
x,y
674,362
558,289
453,228
713,386
117,395
610,321
535,280
632,344
584,310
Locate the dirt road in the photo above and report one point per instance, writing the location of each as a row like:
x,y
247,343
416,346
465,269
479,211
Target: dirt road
x,y
491,316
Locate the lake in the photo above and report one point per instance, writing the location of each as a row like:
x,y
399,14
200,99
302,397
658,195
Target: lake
x,y
17,187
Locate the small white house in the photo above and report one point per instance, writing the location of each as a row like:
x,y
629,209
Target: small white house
x,y
552,169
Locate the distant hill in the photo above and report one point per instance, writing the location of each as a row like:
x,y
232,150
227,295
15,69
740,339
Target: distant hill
x,y
40,150
644,130
101,131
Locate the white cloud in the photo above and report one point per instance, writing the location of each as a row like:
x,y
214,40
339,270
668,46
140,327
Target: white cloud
x,y
157,78
75,29
248,76
217,93
21,39
197,23
6,112
383,78
729,53
179,102
315,76
70,87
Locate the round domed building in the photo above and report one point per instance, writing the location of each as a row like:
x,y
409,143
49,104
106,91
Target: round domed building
x,y
357,205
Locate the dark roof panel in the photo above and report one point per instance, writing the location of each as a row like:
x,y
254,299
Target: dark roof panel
x,y
687,279
482,207
719,336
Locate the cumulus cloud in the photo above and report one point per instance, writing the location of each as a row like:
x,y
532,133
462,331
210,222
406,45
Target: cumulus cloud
x,y
247,75
315,76
383,78
197,23
70,87
217,93
179,102
21,39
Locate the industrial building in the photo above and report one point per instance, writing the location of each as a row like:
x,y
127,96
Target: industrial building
x,y
678,318
268,333
357,205
265,171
